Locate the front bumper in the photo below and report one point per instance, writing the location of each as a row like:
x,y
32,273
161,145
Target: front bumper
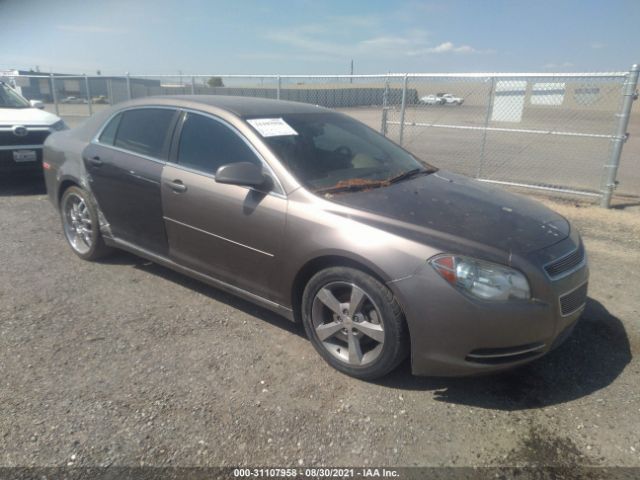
x,y
32,140
9,165
454,335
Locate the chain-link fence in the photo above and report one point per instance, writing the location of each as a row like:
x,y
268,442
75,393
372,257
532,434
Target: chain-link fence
x,y
560,132
556,132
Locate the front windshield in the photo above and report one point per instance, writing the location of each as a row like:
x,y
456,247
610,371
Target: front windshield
x,y
329,152
10,99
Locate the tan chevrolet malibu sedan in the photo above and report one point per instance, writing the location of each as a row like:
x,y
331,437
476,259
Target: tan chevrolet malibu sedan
x,y
313,215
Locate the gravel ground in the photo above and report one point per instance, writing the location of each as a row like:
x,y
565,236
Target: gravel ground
x,y
124,362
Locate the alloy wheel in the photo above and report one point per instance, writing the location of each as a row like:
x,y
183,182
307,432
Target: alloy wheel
x,y
348,323
78,227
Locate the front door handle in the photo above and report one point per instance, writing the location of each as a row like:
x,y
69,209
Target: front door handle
x,y
177,186
96,161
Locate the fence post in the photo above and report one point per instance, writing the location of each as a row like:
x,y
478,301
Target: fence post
x,y
110,91
278,88
403,107
54,94
629,94
193,85
129,86
385,106
487,115
86,84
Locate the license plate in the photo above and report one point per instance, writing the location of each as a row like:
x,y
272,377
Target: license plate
x,y
20,156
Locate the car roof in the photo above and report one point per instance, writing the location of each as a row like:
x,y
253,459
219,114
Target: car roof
x,y
242,107
239,106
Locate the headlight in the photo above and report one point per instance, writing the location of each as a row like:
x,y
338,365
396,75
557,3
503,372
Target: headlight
x,y
59,125
484,280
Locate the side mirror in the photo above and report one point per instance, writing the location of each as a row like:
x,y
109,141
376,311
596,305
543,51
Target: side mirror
x,y
36,104
242,173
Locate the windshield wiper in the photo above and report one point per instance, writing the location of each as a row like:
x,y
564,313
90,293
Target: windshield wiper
x,y
356,184
353,185
409,174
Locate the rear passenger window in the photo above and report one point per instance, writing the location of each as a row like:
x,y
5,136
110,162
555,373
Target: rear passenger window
x,y
108,135
144,130
206,145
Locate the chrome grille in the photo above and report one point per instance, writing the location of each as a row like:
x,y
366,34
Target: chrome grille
x,y
33,137
566,263
574,300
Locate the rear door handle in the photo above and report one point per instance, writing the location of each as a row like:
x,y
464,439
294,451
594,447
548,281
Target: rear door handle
x,y
177,186
96,161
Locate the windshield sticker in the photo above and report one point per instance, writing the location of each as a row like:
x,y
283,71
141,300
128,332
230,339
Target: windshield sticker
x,y
272,127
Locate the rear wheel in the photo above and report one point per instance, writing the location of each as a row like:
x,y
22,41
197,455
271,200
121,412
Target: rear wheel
x,y
354,322
80,224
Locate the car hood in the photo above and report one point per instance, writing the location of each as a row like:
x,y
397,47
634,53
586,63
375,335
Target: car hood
x,y
428,206
26,117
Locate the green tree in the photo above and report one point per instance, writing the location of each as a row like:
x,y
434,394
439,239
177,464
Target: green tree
x,y
215,82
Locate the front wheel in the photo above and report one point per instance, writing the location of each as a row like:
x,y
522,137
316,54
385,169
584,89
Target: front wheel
x,y
80,224
354,322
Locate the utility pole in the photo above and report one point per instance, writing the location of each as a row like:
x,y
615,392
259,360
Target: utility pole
x,y
351,79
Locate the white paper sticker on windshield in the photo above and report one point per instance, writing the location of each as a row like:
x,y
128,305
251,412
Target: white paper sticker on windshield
x,y
272,127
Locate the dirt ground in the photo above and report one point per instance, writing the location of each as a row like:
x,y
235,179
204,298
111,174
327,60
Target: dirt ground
x,y
124,362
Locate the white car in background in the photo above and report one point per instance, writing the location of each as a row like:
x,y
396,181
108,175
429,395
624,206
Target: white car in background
x,y
75,100
24,126
450,99
432,100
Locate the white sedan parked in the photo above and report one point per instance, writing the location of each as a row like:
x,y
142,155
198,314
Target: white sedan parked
x,y
450,99
432,100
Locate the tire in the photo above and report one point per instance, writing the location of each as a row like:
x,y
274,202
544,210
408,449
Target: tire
x,y
342,307
79,215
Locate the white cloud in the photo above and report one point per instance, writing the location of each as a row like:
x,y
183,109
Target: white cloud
x,y
597,45
314,39
384,42
442,48
448,47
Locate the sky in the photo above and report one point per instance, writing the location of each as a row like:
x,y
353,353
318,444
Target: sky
x,y
318,37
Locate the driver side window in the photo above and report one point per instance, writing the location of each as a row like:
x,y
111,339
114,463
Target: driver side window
x,y
207,144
